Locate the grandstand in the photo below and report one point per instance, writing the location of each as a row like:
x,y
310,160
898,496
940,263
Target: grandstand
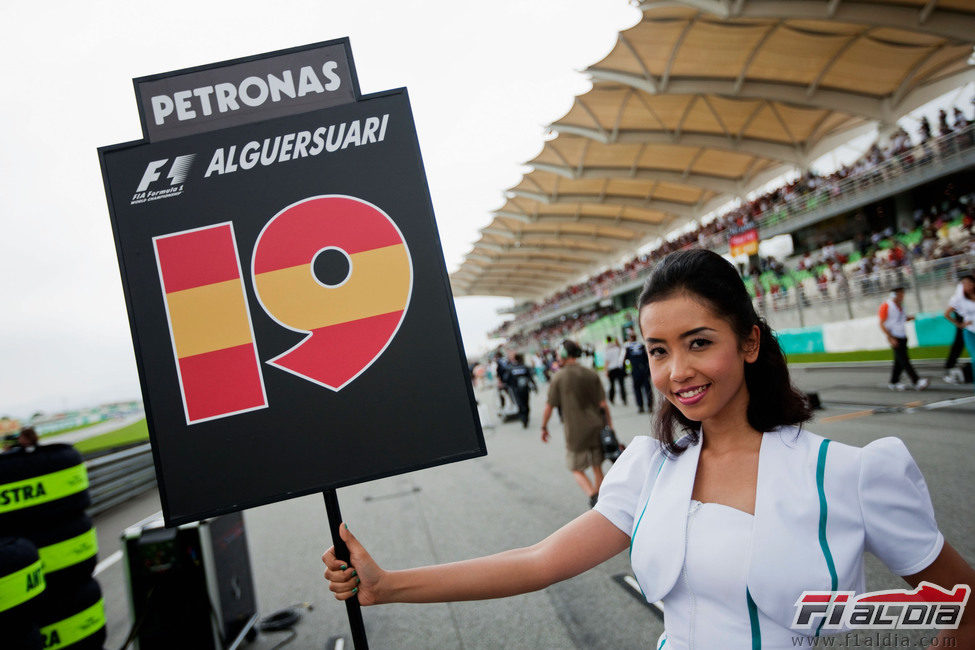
x,y
706,122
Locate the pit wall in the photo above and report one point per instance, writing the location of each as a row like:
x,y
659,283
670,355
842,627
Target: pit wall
x,y
928,328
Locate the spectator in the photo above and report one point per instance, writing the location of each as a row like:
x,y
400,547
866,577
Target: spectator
x,y
578,394
925,129
501,377
26,440
943,128
615,369
806,263
519,381
961,311
893,322
636,354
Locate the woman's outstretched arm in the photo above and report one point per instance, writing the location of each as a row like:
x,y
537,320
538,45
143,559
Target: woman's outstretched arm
x,y
578,546
950,569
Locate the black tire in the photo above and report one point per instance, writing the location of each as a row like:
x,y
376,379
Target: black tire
x,y
23,636
68,550
58,623
21,582
17,512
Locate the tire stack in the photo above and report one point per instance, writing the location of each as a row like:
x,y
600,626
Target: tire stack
x,y
43,496
21,588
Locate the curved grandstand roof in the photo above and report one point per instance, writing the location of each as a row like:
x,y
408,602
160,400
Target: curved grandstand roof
x,y
703,101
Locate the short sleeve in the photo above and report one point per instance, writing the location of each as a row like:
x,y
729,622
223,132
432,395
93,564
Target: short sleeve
x,y
553,393
955,304
619,494
897,512
956,298
961,306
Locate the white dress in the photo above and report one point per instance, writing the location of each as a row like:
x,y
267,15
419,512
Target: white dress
x,y
700,611
729,579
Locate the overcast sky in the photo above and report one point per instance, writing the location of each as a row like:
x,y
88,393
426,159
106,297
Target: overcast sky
x,y
484,80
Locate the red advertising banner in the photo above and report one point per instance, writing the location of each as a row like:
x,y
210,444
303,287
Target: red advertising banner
x,y
744,243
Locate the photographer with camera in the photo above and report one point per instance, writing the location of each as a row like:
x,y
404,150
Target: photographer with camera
x,y
26,439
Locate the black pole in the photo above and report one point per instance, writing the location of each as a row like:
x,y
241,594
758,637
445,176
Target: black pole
x,y
342,552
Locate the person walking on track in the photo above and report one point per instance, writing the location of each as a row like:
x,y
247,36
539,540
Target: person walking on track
x,y
520,382
615,361
636,354
893,322
578,394
962,307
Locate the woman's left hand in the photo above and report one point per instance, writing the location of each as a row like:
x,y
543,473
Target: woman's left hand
x,y
360,576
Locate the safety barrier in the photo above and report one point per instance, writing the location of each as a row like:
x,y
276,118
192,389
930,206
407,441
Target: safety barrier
x,y
119,476
929,285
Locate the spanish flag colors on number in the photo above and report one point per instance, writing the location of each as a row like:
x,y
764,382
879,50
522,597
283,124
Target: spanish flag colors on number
x,y
348,325
210,326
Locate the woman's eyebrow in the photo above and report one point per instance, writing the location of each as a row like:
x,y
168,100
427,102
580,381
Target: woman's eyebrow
x,y
696,330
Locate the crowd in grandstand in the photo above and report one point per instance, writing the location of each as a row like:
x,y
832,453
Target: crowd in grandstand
x,y
874,261
870,262
564,327
931,238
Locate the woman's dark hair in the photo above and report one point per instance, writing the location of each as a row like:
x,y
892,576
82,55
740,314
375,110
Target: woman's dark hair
x,y
773,400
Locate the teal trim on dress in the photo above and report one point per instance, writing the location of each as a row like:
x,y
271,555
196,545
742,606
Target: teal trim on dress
x,y
823,543
662,644
753,621
637,527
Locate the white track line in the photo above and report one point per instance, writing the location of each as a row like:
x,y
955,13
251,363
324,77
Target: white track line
x,y
942,404
151,517
107,562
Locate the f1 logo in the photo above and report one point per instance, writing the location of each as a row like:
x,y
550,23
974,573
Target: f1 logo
x,y
177,171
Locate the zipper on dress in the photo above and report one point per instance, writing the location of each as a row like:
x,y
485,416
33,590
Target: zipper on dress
x,y
692,510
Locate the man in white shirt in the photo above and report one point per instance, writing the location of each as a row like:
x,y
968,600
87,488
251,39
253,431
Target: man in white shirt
x,y
961,311
615,369
893,322
954,375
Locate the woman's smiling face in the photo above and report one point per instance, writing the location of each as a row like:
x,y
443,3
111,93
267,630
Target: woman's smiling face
x,y
696,359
